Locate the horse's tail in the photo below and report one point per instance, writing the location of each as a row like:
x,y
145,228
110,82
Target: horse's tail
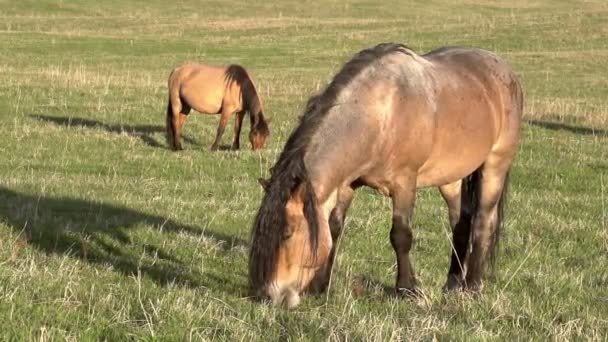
x,y
170,126
471,190
499,221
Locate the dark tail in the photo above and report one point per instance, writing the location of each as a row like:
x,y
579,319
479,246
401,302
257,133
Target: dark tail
x,y
170,126
471,190
499,222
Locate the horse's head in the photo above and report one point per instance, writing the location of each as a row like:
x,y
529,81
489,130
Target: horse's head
x,y
259,133
297,259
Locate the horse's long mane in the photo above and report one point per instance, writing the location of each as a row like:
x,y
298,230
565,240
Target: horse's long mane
x,y
251,99
289,172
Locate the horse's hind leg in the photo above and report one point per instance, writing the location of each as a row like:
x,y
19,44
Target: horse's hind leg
x,y
238,123
176,116
460,222
402,237
226,112
486,219
451,194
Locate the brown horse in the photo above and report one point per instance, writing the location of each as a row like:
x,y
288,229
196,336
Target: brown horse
x,y
394,121
215,90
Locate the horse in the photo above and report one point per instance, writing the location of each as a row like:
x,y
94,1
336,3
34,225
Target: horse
x,y
215,90
394,121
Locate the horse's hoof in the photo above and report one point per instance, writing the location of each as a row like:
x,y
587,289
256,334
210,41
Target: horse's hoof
x,y
213,148
474,288
234,148
453,283
404,292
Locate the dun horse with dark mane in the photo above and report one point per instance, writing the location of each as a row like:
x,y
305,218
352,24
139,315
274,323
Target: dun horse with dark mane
x,y
394,121
215,90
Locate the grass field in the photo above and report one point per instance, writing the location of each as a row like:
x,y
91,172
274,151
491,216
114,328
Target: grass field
x,y
106,234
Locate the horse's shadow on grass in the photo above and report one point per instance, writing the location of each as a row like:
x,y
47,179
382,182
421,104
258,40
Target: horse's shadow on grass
x,y
558,126
96,233
143,132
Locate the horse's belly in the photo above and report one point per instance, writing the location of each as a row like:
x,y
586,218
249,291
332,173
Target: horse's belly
x,y
447,171
455,157
206,102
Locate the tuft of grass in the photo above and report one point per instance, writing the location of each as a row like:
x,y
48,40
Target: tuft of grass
x,y
105,234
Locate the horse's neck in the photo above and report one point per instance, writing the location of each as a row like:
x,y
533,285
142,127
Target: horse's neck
x,y
337,148
251,100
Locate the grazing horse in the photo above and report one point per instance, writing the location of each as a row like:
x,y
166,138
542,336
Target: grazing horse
x,y
394,121
215,90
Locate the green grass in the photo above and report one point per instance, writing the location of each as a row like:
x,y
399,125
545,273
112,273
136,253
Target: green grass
x,y
106,234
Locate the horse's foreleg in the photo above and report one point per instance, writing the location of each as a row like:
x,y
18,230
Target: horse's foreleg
x,y
402,237
336,223
226,112
338,214
238,123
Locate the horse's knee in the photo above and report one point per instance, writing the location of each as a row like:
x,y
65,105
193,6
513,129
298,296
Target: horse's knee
x,y
401,235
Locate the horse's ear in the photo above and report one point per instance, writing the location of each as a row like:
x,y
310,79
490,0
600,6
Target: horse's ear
x,y
264,183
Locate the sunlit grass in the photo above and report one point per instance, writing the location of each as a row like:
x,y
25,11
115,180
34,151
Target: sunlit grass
x,y
106,234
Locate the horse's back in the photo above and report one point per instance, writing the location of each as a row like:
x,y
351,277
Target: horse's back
x,y
468,66
496,84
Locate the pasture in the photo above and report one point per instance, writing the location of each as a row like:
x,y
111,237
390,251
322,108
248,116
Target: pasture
x,y
105,233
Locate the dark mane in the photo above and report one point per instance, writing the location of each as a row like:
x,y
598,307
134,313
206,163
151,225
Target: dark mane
x,y
251,100
290,171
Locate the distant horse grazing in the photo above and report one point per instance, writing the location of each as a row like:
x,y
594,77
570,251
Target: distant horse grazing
x,y
215,90
394,121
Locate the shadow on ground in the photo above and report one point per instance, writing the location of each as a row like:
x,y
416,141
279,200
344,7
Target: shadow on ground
x,y
143,132
98,233
558,126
